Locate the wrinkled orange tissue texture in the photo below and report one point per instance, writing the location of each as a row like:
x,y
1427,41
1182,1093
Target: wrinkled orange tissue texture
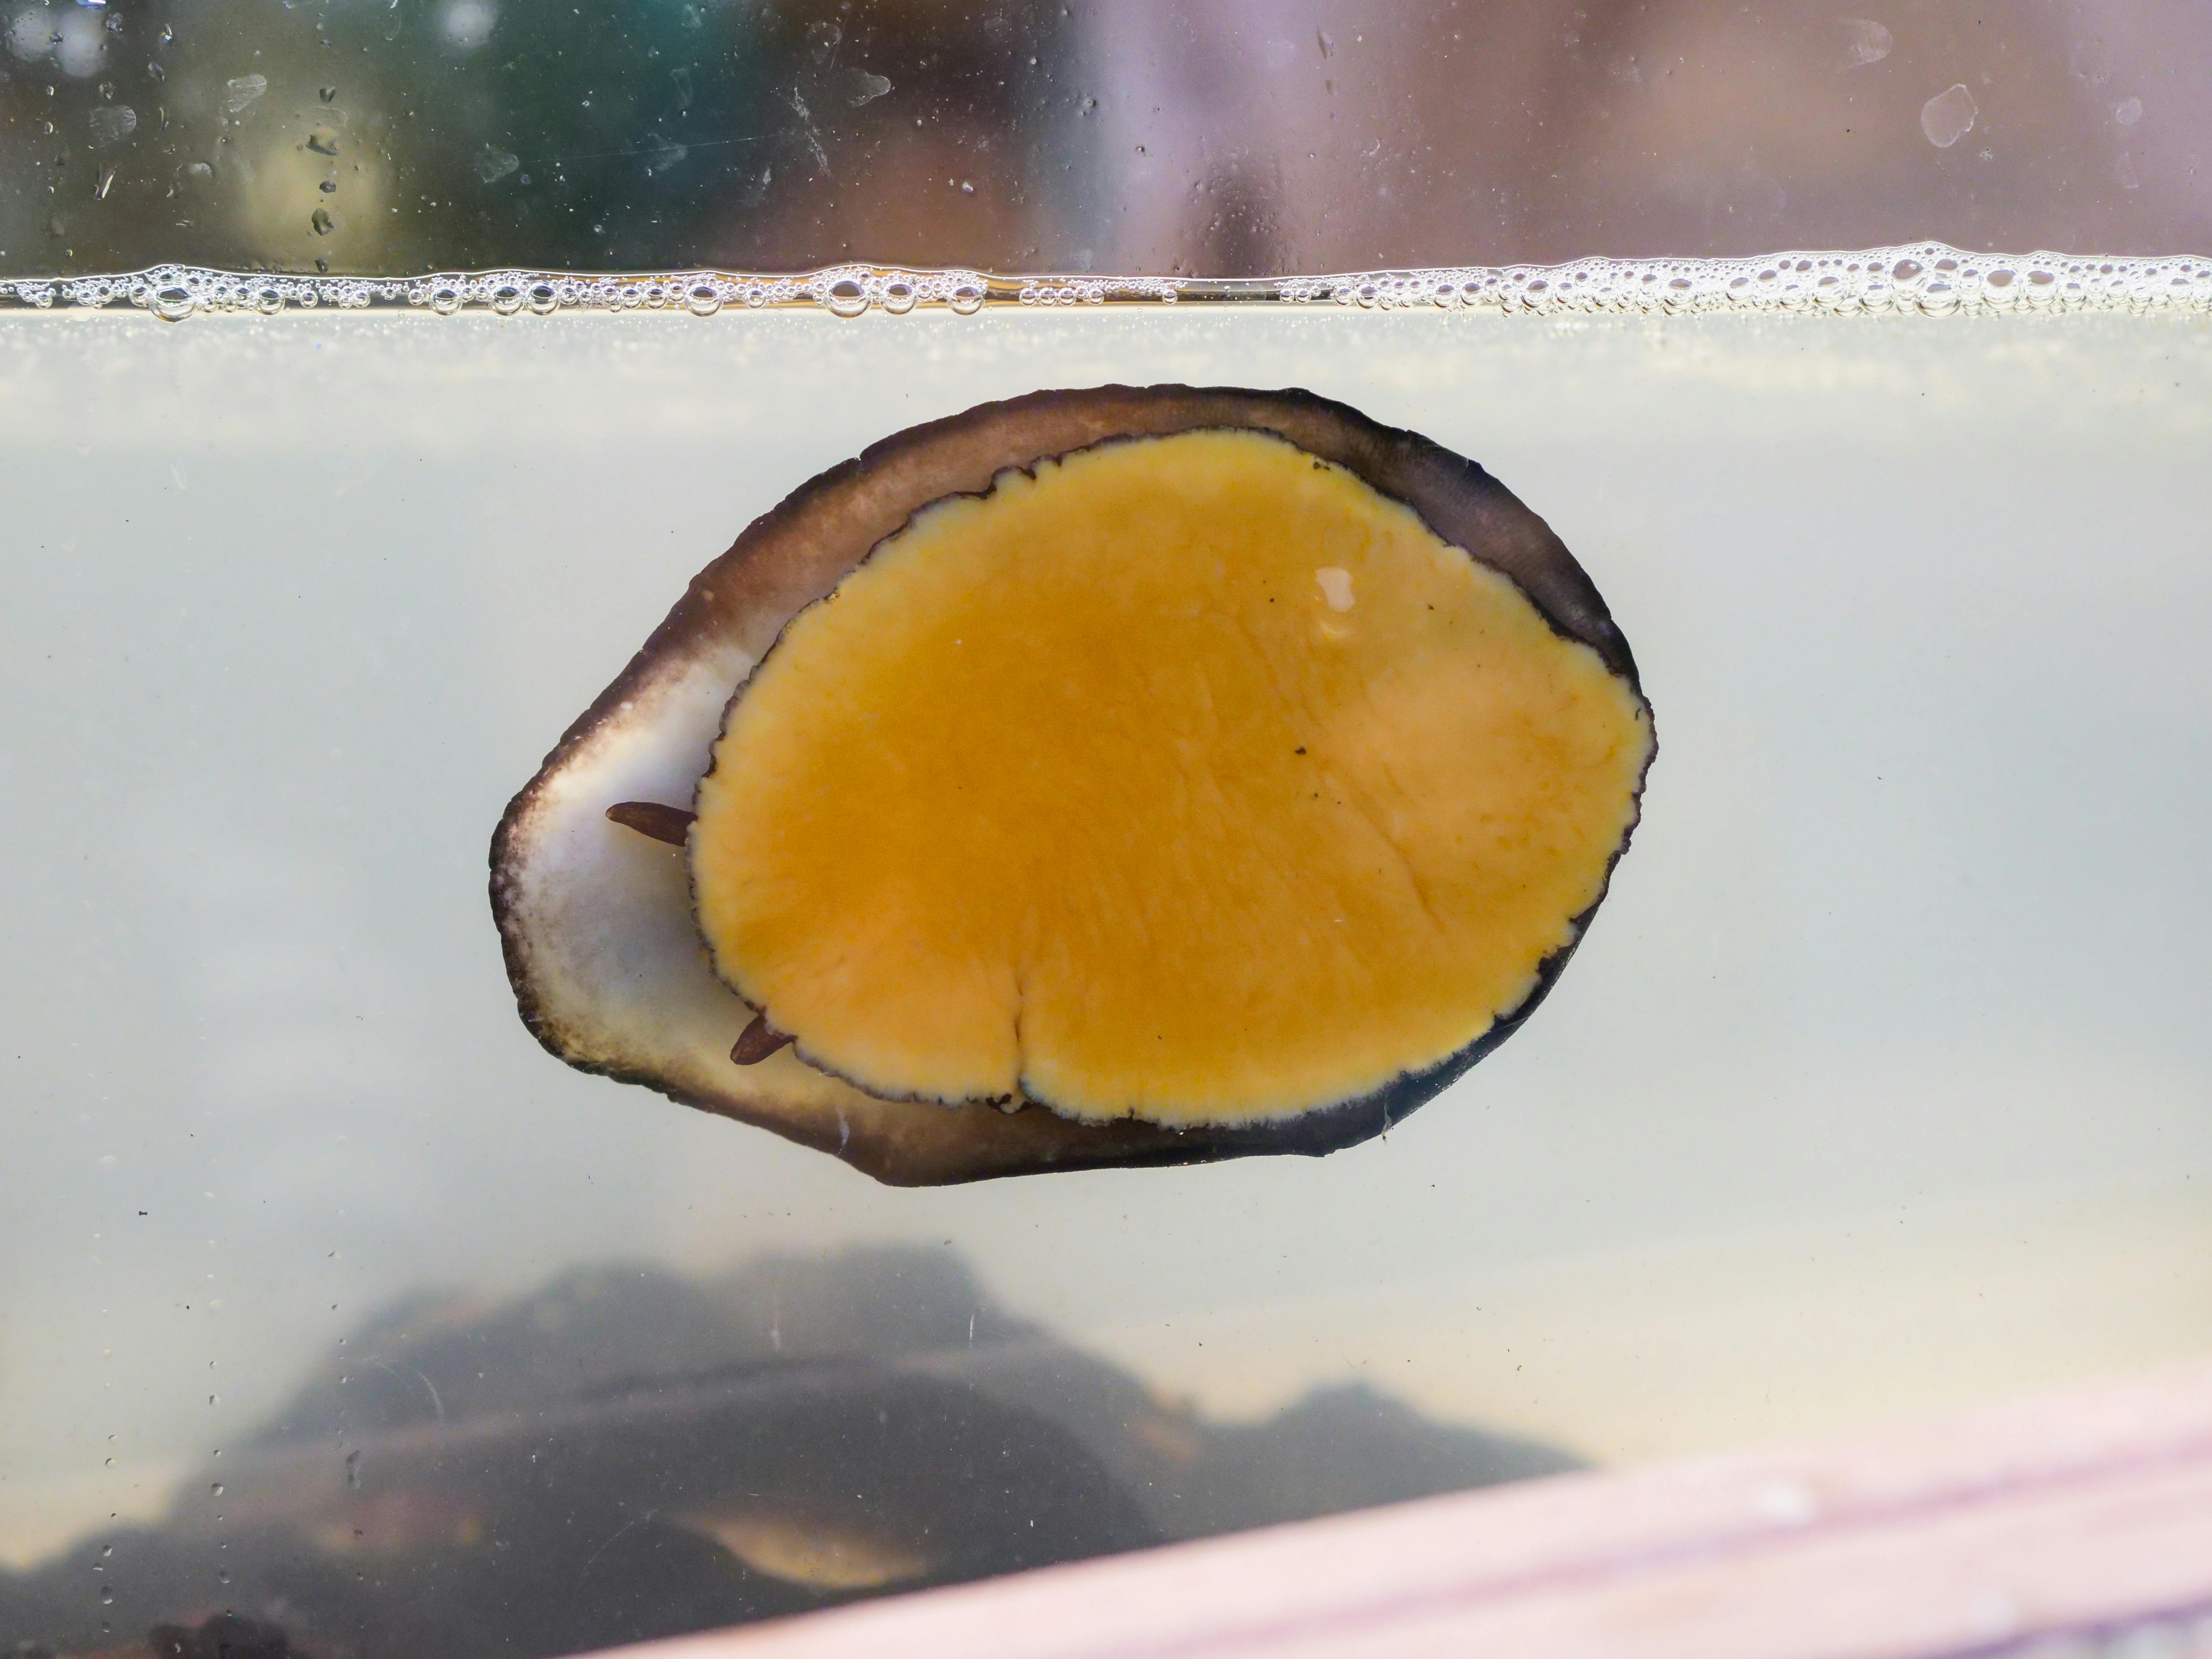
x,y
1189,778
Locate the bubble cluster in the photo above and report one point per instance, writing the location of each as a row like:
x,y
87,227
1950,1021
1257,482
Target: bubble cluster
x,y
1923,278
1927,278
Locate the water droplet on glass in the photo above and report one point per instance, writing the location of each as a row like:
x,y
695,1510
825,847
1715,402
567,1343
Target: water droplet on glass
x,y
493,165
324,141
239,92
323,220
703,300
1865,41
967,188
107,1595
327,93
967,299
1949,116
216,1488
222,1575
113,123
848,298
898,298
2130,113
329,187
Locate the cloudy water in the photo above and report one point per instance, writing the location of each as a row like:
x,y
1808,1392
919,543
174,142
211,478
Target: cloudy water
x,y
1880,1083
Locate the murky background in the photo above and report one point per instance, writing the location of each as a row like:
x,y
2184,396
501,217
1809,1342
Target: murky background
x,y
1157,136
1880,1083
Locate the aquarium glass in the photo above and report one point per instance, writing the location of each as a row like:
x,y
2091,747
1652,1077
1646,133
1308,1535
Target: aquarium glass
x,y
375,375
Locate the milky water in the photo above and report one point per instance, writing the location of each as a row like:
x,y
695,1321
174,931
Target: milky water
x,y
1881,1082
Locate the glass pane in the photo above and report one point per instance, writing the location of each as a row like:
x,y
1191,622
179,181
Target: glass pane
x,y
331,1303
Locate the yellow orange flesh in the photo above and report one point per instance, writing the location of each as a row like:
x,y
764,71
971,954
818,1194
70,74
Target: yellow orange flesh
x,y
1188,779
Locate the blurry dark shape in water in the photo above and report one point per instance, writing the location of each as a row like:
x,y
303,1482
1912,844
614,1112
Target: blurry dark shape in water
x,y
224,1635
629,1454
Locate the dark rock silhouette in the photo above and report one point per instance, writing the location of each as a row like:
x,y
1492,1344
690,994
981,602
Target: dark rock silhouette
x,y
629,1454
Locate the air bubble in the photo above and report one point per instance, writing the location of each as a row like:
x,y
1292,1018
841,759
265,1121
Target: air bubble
x,y
172,304
898,297
507,299
967,299
544,299
703,300
445,300
848,298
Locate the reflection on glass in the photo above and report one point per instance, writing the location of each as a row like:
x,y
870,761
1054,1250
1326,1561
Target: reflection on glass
x,y
1140,136
628,1453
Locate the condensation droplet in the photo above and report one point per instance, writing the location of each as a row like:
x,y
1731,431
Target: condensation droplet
x,y
239,92
113,123
1949,116
1865,41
